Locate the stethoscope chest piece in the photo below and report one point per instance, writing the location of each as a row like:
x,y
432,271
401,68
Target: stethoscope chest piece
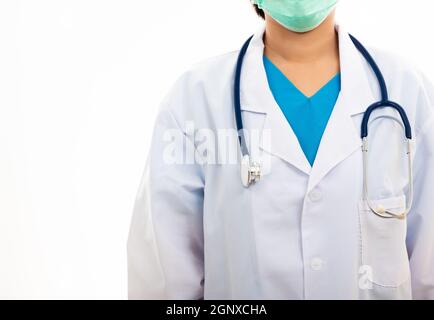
x,y
250,171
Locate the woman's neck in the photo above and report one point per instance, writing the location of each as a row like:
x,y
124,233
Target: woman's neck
x,y
309,60
305,47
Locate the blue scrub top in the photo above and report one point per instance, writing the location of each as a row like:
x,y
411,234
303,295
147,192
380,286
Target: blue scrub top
x,y
307,116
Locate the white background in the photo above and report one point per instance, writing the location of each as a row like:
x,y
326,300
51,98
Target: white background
x,y
80,85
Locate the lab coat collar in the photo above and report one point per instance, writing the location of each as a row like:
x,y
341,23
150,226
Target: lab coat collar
x,y
255,92
341,137
356,88
257,97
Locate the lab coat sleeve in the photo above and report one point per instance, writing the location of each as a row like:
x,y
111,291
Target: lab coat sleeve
x,y
165,245
420,236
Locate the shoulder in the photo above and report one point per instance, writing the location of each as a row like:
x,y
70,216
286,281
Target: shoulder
x,y
214,66
392,64
202,89
215,71
204,80
408,85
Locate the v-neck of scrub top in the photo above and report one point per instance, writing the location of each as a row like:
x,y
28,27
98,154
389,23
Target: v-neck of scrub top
x,y
307,116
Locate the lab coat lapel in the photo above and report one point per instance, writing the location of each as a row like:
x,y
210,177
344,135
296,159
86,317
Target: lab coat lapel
x,y
342,137
256,97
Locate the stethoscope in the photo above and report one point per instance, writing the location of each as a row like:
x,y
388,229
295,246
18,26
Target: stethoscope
x,y
251,170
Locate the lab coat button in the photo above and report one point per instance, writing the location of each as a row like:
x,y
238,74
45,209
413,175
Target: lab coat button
x,y
317,264
315,196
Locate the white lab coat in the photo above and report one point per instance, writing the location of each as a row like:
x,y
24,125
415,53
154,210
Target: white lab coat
x,y
301,232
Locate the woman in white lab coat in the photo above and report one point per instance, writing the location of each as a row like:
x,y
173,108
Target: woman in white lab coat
x,y
303,231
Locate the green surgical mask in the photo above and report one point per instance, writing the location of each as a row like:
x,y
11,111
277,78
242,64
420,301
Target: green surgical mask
x,y
298,15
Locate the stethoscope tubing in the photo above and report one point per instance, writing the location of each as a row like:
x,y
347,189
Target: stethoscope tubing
x,y
253,174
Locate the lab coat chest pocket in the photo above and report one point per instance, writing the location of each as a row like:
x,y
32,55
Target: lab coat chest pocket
x,y
383,246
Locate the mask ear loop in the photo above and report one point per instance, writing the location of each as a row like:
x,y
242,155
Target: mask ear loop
x,y
381,211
